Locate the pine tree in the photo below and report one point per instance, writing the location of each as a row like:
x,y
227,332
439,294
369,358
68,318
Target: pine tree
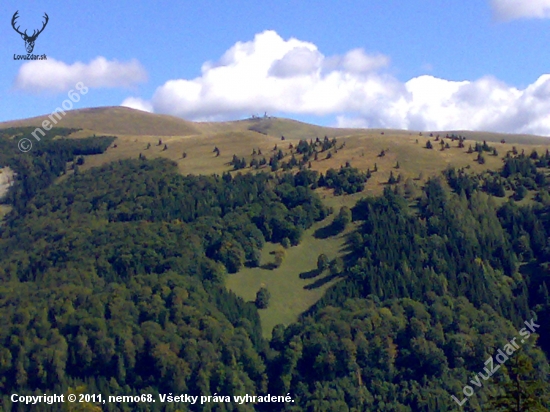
x,y
322,263
262,298
520,390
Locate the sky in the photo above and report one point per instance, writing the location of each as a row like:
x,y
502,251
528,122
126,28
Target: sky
x,y
406,64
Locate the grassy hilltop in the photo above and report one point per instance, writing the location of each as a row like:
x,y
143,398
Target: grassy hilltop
x,y
136,129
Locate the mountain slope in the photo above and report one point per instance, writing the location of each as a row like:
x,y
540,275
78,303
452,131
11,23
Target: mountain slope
x,y
117,121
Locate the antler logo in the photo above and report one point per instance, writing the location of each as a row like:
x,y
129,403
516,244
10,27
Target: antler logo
x,y
29,40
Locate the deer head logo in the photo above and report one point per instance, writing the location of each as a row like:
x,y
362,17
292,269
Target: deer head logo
x,y
29,40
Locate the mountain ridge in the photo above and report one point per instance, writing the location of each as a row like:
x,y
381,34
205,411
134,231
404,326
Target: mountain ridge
x,y
120,120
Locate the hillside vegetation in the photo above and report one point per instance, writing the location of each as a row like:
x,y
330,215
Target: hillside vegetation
x,y
141,132
355,272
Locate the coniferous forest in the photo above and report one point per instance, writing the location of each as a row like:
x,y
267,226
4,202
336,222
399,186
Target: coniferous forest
x,y
112,281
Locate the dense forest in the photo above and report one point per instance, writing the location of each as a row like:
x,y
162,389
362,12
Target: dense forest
x,y
113,281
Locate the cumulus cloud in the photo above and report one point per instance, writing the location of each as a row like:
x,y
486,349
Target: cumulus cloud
x,y
57,76
137,103
506,10
297,62
357,61
293,77
272,74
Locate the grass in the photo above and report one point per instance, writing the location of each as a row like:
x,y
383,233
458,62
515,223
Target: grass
x,y
115,120
290,294
497,137
361,151
135,129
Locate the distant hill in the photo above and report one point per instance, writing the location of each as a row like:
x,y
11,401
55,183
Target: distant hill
x,y
192,144
116,120
497,137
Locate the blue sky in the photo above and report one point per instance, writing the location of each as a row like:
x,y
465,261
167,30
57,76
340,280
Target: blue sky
x,y
480,65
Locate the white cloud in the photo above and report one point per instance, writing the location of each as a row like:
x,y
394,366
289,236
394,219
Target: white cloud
x,y
357,61
271,74
293,77
57,76
506,10
137,103
297,62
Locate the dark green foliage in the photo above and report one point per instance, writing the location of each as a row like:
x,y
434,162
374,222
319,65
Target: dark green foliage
x,y
113,280
262,298
345,180
238,163
327,144
521,192
520,387
306,178
305,148
401,256
342,219
114,286
336,266
37,169
285,242
322,262
461,182
361,355
495,187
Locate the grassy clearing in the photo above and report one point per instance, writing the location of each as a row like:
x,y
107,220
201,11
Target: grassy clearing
x,y
289,298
